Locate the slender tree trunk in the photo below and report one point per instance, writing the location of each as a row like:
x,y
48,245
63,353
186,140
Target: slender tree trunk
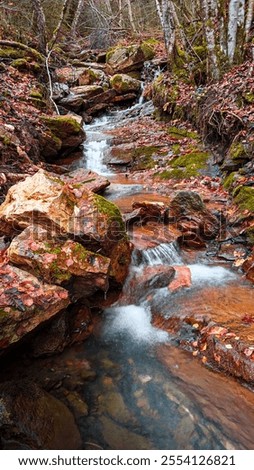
x,y
120,6
232,27
60,22
131,16
166,16
109,7
41,26
249,18
76,17
209,8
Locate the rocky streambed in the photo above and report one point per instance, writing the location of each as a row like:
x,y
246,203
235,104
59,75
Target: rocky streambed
x,y
126,320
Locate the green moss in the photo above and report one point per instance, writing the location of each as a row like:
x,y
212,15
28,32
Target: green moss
x,y
237,151
35,93
186,166
11,53
249,97
109,209
5,139
201,51
3,314
58,274
178,133
120,83
176,149
62,126
148,50
229,181
250,235
143,157
244,197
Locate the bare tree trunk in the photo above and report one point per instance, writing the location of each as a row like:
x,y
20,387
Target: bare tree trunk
x,y
131,16
209,8
232,27
109,7
249,18
166,16
41,26
76,17
120,6
60,22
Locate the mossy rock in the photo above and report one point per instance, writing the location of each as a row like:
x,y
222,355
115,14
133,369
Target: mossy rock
x,y
178,133
25,65
249,97
230,180
147,48
185,166
27,53
123,83
238,151
244,198
36,93
62,126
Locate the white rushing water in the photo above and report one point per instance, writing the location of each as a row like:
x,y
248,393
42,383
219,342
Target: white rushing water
x,y
134,322
165,253
210,275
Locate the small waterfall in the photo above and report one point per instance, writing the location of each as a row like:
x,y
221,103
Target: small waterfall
x,y
133,322
165,253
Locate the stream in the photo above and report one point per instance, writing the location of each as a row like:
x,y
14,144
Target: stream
x,y
132,385
148,393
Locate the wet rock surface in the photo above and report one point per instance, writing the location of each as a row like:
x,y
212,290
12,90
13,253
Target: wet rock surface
x,y
33,419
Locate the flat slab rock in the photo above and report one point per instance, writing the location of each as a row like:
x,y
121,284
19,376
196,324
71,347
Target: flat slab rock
x,y
25,303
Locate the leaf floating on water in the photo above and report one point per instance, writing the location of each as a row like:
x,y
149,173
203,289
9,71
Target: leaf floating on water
x,y
228,346
195,325
218,330
248,352
248,318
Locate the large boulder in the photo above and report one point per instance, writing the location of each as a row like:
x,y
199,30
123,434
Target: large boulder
x,y
193,219
123,83
25,303
66,131
32,419
125,59
60,262
71,211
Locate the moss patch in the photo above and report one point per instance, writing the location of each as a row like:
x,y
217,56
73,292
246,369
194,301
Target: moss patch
x,y
110,210
237,151
244,197
229,181
186,166
62,126
178,133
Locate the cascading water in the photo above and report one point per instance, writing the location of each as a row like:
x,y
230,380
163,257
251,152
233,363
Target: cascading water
x,y
135,402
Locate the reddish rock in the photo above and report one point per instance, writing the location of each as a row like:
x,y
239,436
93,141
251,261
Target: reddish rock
x,y
193,219
26,303
152,277
146,211
182,278
87,179
60,262
248,268
69,211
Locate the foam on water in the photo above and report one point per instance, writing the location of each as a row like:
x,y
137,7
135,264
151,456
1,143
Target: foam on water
x,y
134,322
213,275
